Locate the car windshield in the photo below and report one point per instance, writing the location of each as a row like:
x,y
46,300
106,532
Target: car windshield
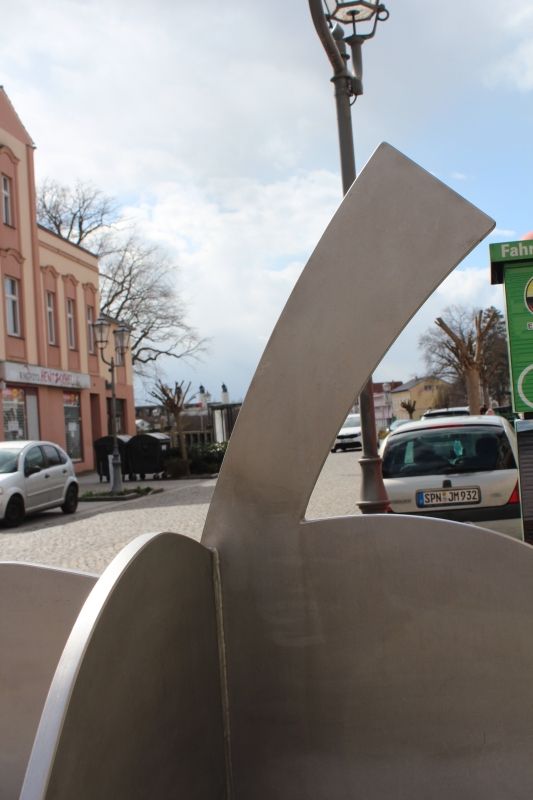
x,y
447,450
352,421
8,461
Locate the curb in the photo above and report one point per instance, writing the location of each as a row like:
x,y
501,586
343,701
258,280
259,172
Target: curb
x,y
107,498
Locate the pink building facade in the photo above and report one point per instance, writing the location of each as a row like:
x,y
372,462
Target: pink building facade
x,y
53,384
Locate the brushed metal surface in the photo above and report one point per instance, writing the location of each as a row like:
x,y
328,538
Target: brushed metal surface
x,y
369,656
38,607
395,237
381,657
378,656
134,710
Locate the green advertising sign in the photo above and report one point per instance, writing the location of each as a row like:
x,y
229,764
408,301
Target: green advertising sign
x,y
518,280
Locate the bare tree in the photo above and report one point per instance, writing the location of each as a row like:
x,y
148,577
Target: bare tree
x,y
461,348
137,286
409,406
173,400
82,213
451,394
495,377
137,280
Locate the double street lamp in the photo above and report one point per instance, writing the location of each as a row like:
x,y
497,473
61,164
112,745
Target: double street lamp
x,y
121,335
338,32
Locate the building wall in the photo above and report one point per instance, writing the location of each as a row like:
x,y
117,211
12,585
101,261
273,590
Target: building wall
x,y
52,381
383,405
425,393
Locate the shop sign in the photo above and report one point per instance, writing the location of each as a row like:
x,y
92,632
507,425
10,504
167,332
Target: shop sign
x,y
511,251
43,376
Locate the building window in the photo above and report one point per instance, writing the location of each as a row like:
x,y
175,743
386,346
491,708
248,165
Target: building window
x,y
90,329
71,323
7,205
11,287
51,317
15,420
71,404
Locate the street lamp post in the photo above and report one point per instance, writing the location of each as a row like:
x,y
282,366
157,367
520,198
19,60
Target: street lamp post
x,y
101,328
348,86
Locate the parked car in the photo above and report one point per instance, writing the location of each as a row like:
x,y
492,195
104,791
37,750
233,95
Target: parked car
x,y
349,436
452,411
35,476
460,468
397,423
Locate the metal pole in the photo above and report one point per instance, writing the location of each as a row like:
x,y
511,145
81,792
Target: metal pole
x,y
374,498
116,477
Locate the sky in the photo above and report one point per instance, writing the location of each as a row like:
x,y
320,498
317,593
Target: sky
x,y
213,124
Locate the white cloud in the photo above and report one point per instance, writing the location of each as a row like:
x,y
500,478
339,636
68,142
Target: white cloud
x,y
515,65
215,125
503,234
240,250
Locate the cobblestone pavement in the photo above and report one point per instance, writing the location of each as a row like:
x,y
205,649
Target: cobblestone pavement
x,y
93,536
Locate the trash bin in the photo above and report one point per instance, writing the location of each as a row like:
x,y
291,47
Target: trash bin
x,y
147,453
103,448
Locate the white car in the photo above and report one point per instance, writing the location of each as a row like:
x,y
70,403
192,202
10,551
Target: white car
x,y
35,476
459,468
349,436
452,411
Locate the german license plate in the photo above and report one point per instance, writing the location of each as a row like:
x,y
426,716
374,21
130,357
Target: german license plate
x,y
465,495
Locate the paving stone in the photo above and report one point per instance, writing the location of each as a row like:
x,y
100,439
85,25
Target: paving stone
x,y
91,538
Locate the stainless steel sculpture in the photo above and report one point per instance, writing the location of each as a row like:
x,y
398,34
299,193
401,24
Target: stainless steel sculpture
x,y
366,656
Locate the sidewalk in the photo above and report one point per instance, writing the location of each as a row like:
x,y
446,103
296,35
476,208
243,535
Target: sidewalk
x,y
90,482
89,539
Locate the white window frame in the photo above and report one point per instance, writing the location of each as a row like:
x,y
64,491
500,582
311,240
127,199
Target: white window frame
x,y
7,201
51,317
12,295
90,330
71,323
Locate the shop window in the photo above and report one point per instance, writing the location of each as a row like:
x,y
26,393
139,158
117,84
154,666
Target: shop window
x,y
51,317
12,293
7,201
15,418
71,403
90,329
71,323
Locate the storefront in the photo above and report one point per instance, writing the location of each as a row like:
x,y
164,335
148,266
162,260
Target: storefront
x,y
42,403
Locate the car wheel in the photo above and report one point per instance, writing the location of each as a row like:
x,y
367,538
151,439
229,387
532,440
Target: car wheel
x,y
71,500
333,449
14,511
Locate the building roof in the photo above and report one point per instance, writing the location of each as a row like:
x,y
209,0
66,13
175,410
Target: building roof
x,y
10,120
378,386
405,387
68,241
